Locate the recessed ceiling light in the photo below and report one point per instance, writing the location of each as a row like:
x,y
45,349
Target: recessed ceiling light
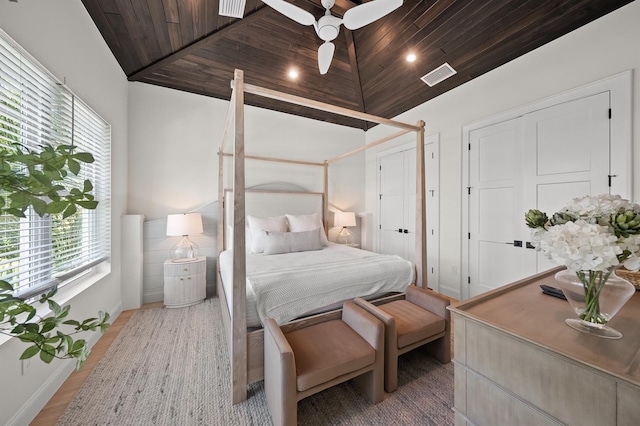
x,y
293,73
411,57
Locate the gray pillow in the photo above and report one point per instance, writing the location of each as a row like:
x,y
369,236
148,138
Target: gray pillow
x,y
289,242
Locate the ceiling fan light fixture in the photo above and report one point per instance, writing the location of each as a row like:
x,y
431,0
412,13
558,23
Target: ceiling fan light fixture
x,y
439,74
232,8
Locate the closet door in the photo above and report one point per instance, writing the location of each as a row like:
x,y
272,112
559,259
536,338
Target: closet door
x,y
495,185
540,160
397,204
566,148
392,204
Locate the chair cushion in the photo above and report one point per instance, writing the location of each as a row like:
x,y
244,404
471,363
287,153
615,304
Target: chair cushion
x,y
327,350
412,322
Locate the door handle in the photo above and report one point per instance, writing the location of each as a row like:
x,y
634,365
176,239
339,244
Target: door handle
x,y
400,230
515,243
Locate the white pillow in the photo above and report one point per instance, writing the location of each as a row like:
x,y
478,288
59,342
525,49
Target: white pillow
x,y
307,222
289,242
268,224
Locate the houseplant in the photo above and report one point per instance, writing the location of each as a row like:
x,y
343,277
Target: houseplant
x,y
591,236
36,179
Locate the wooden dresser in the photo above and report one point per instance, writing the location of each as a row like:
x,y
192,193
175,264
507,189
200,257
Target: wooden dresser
x,y
518,363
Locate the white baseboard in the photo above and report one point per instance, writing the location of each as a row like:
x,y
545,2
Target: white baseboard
x,y
449,291
39,399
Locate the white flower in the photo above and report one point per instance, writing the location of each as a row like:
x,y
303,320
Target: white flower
x,y
581,246
590,243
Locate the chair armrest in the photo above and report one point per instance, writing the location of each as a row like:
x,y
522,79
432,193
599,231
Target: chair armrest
x,y
365,324
279,374
278,355
386,319
428,300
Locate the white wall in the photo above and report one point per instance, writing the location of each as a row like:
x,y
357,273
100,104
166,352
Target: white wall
x,y
174,138
600,49
62,36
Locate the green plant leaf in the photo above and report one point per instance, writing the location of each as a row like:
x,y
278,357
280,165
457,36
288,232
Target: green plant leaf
x,y
47,353
32,328
30,337
57,207
74,166
30,352
39,205
48,326
5,286
85,157
78,346
89,205
87,186
54,307
69,211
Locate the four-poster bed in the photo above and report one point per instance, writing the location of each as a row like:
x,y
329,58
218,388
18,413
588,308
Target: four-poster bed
x,y
246,347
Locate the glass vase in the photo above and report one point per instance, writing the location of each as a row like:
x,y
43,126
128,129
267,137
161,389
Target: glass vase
x,y
595,296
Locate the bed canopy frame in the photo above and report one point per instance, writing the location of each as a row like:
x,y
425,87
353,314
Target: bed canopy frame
x,y
245,347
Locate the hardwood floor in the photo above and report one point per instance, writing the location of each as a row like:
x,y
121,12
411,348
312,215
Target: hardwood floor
x,y
59,401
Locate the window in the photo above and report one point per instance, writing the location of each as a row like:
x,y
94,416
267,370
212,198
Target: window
x,y
36,252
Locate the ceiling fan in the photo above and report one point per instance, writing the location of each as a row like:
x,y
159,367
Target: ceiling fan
x,y
328,26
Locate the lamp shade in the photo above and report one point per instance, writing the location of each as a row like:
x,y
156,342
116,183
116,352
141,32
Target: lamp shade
x,y
184,224
344,219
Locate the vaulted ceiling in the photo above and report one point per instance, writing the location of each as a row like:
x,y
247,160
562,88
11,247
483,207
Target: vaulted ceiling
x,y
187,45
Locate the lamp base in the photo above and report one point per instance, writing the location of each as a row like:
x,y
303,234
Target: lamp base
x,y
185,251
345,236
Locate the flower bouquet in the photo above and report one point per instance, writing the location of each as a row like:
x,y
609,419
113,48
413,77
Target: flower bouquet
x,y
591,236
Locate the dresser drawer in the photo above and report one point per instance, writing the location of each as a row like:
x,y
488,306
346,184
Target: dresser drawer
x,y
177,269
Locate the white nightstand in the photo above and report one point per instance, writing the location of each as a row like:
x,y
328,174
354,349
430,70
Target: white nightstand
x,y
185,282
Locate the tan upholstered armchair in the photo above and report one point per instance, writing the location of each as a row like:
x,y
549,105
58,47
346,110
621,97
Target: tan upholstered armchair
x,y
305,361
421,318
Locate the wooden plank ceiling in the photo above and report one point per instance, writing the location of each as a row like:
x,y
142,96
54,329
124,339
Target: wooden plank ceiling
x,y
186,45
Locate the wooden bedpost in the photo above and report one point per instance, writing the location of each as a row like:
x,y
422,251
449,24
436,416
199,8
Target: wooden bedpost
x,y
421,211
221,230
325,199
239,320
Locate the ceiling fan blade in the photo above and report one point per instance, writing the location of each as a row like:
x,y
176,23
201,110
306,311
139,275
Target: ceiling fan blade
x,y
366,13
325,55
295,13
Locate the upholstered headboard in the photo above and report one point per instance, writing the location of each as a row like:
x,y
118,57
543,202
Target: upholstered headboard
x,y
264,201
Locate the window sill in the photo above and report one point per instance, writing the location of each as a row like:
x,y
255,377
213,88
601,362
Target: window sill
x,y
68,292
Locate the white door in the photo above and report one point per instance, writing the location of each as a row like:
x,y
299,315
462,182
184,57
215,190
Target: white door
x,y
397,204
566,148
495,184
539,160
432,168
392,204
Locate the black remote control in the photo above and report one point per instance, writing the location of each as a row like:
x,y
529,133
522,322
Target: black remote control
x,y
552,291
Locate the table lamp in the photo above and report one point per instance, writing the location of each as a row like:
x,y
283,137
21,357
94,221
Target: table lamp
x,y
184,225
344,219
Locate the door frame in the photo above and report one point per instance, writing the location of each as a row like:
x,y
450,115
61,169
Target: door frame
x,y
620,91
410,144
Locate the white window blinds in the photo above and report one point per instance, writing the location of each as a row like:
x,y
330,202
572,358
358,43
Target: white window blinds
x,y
36,252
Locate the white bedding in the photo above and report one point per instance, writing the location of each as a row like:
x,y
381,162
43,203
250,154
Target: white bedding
x,y
287,286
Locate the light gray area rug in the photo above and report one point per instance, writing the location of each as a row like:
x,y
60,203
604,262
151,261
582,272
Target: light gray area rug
x,y
171,367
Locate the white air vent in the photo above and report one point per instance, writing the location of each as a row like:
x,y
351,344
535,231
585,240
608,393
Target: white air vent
x,y
232,8
443,72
